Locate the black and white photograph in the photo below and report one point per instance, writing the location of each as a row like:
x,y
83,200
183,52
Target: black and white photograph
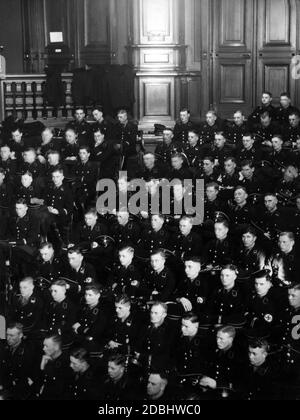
x,y
149,203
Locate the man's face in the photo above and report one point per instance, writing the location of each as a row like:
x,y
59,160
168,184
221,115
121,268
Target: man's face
x,y
122,217
220,230
79,115
248,240
122,310
285,101
294,120
247,171
21,210
123,118
228,278
176,162
265,120
125,257
189,328
167,136
294,298
248,142
26,289
5,153
211,193
184,117
238,118
98,137
240,196
91,297
149,160
224,340
47,254
219,141
208,166
29,156
13,337
50,347
75,259
185,227
97,115
53,159
90,219
114,371
266,99
157,314
58,293
262,286
157,223
47,136
26,180
229,166
70,136
17,136
157,262
57,178
257,356
285,244
277,143
192,269
76,364
154,385
84,155
192,139
270,202
210,118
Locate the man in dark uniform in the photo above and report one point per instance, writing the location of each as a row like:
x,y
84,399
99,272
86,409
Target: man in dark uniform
x,y
80,272
254,183
125,276
84,385
125,231
34,166
264,307
227,303
153,169
292,132
210,128
59,202
155,342
124,327
278,157
17,364
229,179
266,105
285,262
27,308
102,123
155,237
285,109
220,149
85,179
55,372
192,291
167,148
126,136
81,127
16,144
186,241
224,363
60,315
240,211
8,164
105,154
92,320
219,251
6,199
159,282
50,267
179,168
237,129
250,150
209,172
182,127
266,130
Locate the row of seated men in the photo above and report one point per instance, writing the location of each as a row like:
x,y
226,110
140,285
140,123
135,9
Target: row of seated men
x,y
120,350
236,198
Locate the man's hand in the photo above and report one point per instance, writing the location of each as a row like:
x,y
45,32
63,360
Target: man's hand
x,y
45,360
186,304
76,326
208,382
113,344
94,245
53,210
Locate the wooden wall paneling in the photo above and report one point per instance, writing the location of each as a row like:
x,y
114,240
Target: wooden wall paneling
x,y
206,24
94,31
157,96
193,34
232,56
